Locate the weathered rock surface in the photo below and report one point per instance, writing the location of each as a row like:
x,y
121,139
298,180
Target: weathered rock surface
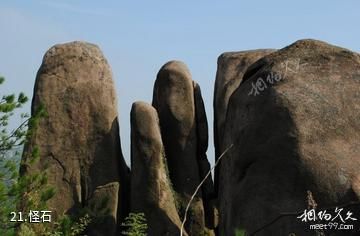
x,y
231,67
301,132
174,101
151,191
202,133
79,139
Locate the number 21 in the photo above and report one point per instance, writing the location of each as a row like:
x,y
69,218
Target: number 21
x,y
14,219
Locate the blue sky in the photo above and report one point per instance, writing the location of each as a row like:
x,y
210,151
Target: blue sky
x,y
137,38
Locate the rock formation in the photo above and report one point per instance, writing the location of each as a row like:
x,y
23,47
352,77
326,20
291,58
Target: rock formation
x,y
79,139
231,67
292,117
202,133
151,191
174,101
295,125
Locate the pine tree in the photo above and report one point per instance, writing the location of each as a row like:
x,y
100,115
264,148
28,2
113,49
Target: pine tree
x,y
135,225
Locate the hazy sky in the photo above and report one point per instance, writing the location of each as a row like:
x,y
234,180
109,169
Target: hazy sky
x,y
137,38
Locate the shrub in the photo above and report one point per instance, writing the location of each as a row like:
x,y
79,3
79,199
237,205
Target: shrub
x,y
135,225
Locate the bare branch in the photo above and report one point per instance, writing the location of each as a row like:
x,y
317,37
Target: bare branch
x,y
198,188
13,132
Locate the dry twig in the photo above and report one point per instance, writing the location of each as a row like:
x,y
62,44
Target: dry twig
x,y
199,186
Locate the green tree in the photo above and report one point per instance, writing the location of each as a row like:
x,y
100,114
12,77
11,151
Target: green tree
x,y
239,232
11,186
20,194
135,225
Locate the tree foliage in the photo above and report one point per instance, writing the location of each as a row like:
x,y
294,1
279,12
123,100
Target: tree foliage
x,y
12,187
135,225
20,194
239,232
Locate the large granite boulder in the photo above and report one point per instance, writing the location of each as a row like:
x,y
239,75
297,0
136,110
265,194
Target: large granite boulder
x,y
79,138
295,125
174,101
231,67
151,191
202,132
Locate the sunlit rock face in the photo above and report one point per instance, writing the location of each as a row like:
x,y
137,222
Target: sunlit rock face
x,y
79,138
151,191
294,121
182,124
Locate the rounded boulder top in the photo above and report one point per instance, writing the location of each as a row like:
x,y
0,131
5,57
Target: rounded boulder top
x,y
145,120
76,52
75,48
177,67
